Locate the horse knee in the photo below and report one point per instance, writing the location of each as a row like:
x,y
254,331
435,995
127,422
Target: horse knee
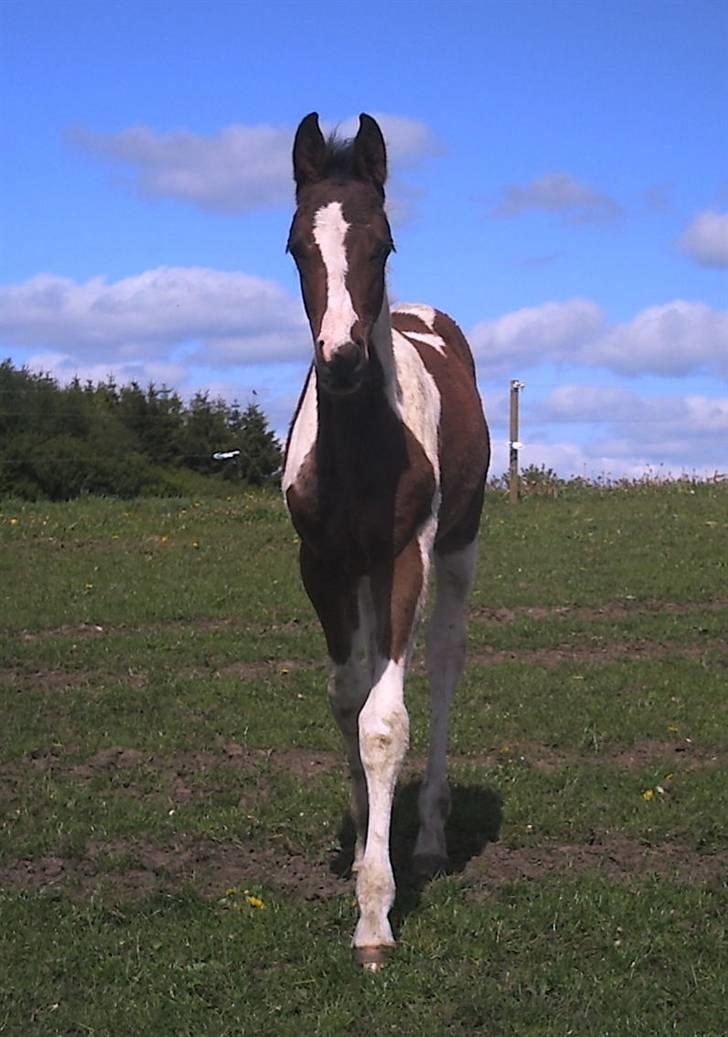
x,y
383,740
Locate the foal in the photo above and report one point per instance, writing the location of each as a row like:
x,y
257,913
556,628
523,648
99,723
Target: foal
x,y
384,475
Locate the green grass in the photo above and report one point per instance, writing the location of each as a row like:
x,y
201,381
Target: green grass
x,y
544,958
178,631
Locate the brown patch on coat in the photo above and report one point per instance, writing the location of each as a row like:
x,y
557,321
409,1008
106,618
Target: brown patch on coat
x,y
464,444
409,322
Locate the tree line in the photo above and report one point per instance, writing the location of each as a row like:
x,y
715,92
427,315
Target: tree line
x,y
61,441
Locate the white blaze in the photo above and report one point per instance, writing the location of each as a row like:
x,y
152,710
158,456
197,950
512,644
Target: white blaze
x,y
329,232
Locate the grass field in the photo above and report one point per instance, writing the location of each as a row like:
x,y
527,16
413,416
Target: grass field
x,y
173,800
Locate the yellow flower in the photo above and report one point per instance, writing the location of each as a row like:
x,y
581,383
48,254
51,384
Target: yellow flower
x,y
648,794
256,902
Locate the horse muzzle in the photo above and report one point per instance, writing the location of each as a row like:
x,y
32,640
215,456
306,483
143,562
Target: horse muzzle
x,y
342,373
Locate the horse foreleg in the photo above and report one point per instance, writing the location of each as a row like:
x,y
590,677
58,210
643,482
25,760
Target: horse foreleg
x,y
397,596
346,622
383,741
348,689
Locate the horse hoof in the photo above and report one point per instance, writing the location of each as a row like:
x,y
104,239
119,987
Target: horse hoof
x,y
372,959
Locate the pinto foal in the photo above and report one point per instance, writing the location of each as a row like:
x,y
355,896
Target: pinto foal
x,y
384,475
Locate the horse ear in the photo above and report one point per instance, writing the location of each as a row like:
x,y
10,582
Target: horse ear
x,y
370,152
309,151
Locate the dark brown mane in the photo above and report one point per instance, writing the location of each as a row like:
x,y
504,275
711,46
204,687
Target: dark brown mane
x,y
339,161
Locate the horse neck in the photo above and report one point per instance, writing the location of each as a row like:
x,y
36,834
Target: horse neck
x,y
344,425
381,343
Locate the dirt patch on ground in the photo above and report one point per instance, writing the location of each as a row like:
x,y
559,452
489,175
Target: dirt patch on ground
x,y
565,653
231,755
63,680
175,776
611,610
87,630
618,857
480,614
683,754
266,667
134,868
611,652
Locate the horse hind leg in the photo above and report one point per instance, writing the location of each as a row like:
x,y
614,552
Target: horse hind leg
x,y
445,661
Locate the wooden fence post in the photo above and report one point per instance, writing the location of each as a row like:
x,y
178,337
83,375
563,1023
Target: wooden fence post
x,y
513,478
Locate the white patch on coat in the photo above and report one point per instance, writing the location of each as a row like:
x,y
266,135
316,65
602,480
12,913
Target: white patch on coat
x,y
419,400
425,313
303,433
428,339
329,232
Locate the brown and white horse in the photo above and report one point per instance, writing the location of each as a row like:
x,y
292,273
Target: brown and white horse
x,y
384,475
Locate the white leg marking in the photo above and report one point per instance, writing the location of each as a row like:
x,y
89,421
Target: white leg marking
x,y
445,662
383,741
329,231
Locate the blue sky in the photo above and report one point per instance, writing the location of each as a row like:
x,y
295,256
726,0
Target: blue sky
x,y
559,185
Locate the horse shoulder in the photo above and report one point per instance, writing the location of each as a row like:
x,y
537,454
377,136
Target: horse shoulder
x,y
462,437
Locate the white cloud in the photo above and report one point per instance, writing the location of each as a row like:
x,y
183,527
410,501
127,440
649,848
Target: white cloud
x,y
521,339
706,239
220,318
587,403
617,424
235,170
618,405
676,338
561,193
232,316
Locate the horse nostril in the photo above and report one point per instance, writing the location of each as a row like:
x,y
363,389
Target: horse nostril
x,y
346,359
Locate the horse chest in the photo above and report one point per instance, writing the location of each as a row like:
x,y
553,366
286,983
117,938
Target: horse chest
x,y
362,505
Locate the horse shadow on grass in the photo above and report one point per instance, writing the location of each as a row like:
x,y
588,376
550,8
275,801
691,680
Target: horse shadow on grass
x,y
476,815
